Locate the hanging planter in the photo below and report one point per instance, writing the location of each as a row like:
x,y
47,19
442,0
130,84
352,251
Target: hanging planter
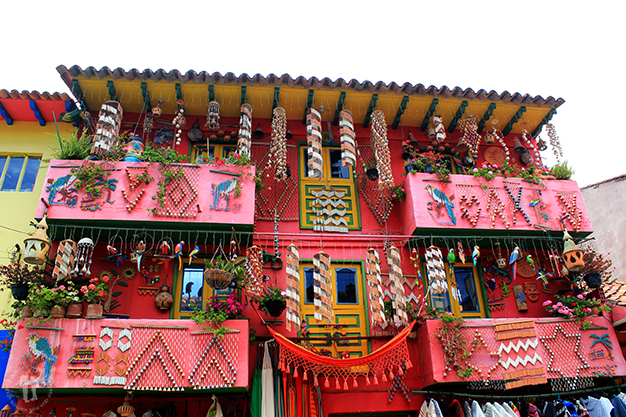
x,y
372,174
593,280
274,307
19,291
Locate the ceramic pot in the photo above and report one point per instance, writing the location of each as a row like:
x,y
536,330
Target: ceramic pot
x,y
94,311
57,312
411,167
164,299
74,310
372,174
275,307
27,312
593,280
19,291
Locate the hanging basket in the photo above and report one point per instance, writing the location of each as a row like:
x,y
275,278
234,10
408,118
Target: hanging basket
x,y
19,291
274,307
218,279
593,280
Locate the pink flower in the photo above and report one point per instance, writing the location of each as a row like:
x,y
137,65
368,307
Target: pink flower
x,y
83,289
62,287
580,296
54,290
547,303
403,190
41,286
92,287
490,173
37,290
101,293
475,169
105,278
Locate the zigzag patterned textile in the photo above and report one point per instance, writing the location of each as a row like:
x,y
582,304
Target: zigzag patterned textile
x,y
375,290
322,288
292,269
395,286
314,140
65,260
347,138
436,271
245,130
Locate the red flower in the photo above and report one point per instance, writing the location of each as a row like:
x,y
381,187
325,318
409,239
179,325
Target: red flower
x,y
20,326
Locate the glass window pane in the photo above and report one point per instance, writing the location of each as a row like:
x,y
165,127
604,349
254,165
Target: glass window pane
x,y
200,152
305,158
226,150
12,176
336,169
346,285
308,285
3,162
191,289
30,174
466,286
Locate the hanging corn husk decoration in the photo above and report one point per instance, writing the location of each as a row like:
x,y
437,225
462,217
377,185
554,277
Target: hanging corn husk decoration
x,y
436,271
323,292
292,269
314,140
65,260
398,302
254,271
375,289
245,130
108,127
380,145
213,116
347,138
440,130
470,139
278,149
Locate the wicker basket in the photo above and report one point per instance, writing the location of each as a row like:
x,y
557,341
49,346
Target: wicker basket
x,y
218,279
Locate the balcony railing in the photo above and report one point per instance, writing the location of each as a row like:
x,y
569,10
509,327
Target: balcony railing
x,y
467,202
139,192
155,355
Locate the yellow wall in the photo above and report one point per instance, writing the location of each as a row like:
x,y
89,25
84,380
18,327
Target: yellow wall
x,y
17,209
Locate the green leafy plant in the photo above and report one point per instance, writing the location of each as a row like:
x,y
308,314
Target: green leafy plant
x,y
597,263
573,306
455,348
269,294
77,146
216,312
20,274
234,266
562,171
428,162
93,178
61,295
398,193
95,290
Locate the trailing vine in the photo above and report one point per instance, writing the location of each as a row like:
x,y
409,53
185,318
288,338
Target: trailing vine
x,y
93,179
456,351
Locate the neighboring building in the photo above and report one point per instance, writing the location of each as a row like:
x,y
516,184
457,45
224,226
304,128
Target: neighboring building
x,y
326,230
606,205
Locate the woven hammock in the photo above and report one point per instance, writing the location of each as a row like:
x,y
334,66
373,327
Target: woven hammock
x,y
387,361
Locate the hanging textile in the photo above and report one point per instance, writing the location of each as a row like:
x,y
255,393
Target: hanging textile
x,y
440,129
254,272
267,384
322,288
347,138
255,397
375,290
279,395
278,150
436,271
395,286
385,362
292,270
380,145
314,140
245,130
65,260
215,410
471,138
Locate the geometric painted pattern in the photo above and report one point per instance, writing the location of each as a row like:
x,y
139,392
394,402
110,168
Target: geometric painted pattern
x,y
215,361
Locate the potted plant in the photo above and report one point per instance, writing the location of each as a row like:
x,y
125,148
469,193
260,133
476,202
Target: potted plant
x,y
272,301
574,307
93,293
398,193
60,296
221,271
18,277
562,171
37,301
216,312
598,268
371,170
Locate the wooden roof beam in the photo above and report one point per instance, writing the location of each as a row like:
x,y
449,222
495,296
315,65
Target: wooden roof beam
x,y
370,110
38,115
112,92
429,114
4,113
400,112
486,117
309,103
276,98
80,96
146,96
340,103
514,120
179,94
544,121
211,90
243,94
459,113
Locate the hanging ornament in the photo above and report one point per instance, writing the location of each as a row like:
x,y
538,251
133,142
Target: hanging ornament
x,y
398,302
65,260
38,244
254,271
533,150
213,116
347,138
375,290
436,271
470,139
572,254
322,288
278,149
500,261
84,254
108,127
245,130
554,142
157,111
440,130
314,141
292,269
139,245
380,145
459,246
179,121
500,137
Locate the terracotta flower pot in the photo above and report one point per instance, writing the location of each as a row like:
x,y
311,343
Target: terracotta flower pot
x,y
19,291
74,310
27,312
57,312
94,311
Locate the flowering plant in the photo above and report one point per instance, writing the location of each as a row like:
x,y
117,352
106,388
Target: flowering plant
x,y
597,263
61,295
398,193
573,306
20,274
95,290
9,325
429,162
217,311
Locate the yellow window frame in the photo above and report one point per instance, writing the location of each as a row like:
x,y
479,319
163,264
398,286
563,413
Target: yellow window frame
x,y
5,169
447,298
199,150
351,319
327,183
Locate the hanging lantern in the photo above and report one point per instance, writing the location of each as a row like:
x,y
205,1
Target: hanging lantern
x,y
213,116
157,110
126,409
37,245
500,261
134,149
517,146
572,254
83,257
245,130
489,139
18,413
6,411
526,158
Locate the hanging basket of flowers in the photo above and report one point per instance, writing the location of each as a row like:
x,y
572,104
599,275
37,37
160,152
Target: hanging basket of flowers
x,y
220,272
272,301
18,277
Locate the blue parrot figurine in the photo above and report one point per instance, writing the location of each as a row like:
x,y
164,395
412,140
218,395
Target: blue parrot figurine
x,y
475,254
513,260
441,198
193,255
178,251
40,347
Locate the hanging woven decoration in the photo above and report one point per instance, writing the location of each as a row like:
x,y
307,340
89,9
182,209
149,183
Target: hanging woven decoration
x,y
292,269
395,286
213,116
374,288
84,253
245,130
347,138
314,140
440,129
179,121
278,149
470,138
436,271
322,288
65,260
555,142
380,145
385,362
108,127
254,271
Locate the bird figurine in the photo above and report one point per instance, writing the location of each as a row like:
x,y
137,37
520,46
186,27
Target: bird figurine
x,y
451,257
193,255
115,255
475,254
40,347
513,260
441,198
459,245
165,249
178,252
530,261
140,249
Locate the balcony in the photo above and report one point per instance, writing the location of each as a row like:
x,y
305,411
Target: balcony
x,y
68,355
180,196
467,202
519,352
